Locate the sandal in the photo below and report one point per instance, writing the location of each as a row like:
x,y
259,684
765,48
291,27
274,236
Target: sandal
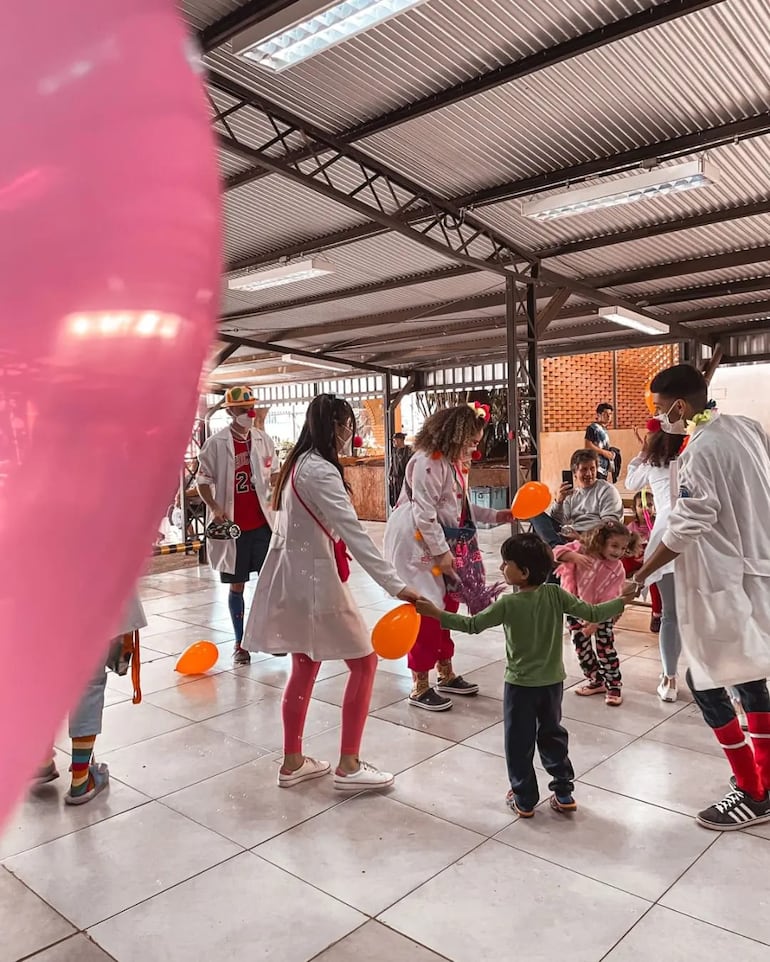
x,y
591,688
613,698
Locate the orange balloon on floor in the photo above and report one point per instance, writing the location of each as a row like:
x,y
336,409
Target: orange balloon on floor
x,y
198,658
531,499
395,633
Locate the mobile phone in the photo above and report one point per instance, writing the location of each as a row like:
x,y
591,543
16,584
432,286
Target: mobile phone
x,y
566,477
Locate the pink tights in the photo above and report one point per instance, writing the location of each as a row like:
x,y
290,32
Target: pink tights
x,y
355,702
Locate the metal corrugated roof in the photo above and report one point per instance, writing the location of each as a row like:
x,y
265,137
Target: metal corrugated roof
x,y
420,52
201,13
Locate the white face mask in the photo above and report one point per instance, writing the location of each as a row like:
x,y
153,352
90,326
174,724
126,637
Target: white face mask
x,y
671,427
243,421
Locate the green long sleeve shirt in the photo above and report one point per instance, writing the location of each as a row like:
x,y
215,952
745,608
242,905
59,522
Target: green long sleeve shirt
x,y
533,622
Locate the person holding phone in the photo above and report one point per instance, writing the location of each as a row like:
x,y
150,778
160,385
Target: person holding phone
x,y
583,502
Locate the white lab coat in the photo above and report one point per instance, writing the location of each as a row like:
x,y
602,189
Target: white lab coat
x,y
300,604
217,468
719,527
640,475
438,491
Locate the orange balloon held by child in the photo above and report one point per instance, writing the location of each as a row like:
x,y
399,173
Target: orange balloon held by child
x,y
198,658
395,633
531,499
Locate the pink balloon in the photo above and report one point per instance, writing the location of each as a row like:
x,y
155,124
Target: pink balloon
x,y
108,295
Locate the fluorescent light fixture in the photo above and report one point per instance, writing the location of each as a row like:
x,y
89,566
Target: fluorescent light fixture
x,y
306,362
285,274
308,27
638,322
626,190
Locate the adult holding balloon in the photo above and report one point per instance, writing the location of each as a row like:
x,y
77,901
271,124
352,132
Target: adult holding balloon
x,y
302,604
432,514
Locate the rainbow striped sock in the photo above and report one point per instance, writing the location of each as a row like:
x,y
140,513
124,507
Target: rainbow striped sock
x,y
82,752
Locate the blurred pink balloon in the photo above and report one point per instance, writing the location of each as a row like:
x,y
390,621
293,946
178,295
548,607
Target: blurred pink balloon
x,y
108,280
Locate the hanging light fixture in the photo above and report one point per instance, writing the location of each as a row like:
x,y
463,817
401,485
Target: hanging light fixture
x,y
637,322
624,190
308,27
285,274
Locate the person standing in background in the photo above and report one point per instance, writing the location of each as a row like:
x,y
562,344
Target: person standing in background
x,y
234,465
598,439
400,455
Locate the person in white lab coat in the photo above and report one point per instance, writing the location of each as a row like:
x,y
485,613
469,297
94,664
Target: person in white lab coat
x,y
434,501
302,604
719,538
652,468
233,481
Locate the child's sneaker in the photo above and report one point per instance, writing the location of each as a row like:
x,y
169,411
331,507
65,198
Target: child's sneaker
x,y
458,686
563,803
241,656
430,700
517,805
655,621
735,811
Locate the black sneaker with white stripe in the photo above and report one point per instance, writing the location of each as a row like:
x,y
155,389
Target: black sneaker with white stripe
x,y
735,811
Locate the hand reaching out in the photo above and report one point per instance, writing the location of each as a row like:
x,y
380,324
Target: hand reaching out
x,y
630,591
409,594
427,609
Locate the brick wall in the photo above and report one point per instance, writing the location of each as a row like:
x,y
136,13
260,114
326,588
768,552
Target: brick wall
x,y
573,386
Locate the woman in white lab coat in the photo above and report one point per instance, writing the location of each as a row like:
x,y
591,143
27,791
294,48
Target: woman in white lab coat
x,y
302,606
435,498
718,534
652,468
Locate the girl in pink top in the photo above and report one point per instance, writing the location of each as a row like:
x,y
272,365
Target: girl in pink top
x,y
592,569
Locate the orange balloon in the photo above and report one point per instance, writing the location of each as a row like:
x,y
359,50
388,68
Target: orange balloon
x,y
198,658
395,633
648,398
531,499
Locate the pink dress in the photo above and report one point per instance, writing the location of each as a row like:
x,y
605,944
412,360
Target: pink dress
x,y
601,582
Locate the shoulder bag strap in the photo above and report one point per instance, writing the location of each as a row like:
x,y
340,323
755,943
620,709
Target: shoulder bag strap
x,y
299,498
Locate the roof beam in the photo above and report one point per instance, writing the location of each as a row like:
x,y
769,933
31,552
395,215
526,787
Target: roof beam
x,y
695,265
281,349
377,192
664,150
360,290
600,37
707,219
551,310
746,286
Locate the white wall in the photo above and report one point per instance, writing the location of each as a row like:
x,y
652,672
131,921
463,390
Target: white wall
x,y
744,389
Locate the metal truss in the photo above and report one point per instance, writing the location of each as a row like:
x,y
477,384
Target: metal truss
x,y
348,176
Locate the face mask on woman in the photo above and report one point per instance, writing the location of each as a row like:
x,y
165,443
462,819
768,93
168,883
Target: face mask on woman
x,y
672,427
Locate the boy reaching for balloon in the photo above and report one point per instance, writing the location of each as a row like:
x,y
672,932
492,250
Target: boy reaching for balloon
x,y
532,618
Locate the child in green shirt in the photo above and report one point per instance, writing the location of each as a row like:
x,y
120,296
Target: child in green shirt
x,y
533,619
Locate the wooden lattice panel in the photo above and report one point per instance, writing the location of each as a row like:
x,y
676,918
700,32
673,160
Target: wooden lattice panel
x,y
572,387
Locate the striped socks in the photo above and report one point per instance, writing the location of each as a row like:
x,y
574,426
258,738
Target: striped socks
x,y
741,759
82,752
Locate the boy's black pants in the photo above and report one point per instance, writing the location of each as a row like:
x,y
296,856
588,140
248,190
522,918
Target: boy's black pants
x,y
532,716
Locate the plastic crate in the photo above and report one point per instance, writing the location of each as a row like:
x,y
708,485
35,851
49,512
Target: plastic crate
x,y
499,499
481,497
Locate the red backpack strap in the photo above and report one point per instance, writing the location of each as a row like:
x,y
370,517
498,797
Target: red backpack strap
x,y
299,498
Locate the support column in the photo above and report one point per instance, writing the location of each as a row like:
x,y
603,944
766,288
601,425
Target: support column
x,y
387,398
523,384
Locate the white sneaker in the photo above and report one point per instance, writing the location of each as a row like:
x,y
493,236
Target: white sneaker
x,y
667,690
366,779
309,768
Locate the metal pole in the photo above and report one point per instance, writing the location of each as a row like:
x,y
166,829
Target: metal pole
x,y
513,394
387,400
533,374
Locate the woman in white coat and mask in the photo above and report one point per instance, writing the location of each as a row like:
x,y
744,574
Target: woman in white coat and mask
x,y
433,501
302,604
718,534
652,468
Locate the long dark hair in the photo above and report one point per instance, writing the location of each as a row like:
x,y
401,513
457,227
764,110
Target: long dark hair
x,y
660,449
318,434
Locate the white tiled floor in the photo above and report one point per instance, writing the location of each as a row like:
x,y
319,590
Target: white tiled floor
x,y
194,854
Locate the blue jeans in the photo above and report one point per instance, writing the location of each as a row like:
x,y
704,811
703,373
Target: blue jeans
x,y
548,530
